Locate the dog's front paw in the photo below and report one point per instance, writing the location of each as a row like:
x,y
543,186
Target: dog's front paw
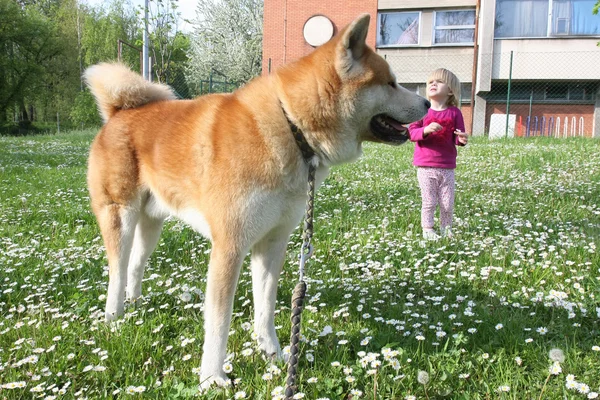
x,y
270,348
219,380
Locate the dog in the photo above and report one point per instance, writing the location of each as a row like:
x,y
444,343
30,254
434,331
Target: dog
x,y
229,166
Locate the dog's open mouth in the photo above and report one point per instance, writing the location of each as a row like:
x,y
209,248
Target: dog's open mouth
x,y
388,130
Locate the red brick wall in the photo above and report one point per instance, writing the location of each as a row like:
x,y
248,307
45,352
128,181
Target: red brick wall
x,y
284,20
546,110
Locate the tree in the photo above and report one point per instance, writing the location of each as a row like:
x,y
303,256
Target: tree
x,y
227,41
168,45
28,42
104,27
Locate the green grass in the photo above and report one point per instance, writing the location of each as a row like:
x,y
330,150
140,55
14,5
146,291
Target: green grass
x,y
527,223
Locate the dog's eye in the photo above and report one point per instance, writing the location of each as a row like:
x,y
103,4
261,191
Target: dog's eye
x,y
393,84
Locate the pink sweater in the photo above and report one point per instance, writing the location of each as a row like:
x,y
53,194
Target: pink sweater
x,y
438,149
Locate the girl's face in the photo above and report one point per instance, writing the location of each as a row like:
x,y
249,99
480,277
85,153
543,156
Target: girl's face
x,y
438,90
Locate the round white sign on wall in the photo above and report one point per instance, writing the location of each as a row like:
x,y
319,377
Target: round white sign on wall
x,y
318,30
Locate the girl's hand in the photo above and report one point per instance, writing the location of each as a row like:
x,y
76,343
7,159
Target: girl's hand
x,y
463,137
432,127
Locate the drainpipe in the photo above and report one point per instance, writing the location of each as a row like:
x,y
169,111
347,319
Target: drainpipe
x,y
475,60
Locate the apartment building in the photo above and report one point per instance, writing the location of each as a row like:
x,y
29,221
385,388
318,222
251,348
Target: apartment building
x,y
538,60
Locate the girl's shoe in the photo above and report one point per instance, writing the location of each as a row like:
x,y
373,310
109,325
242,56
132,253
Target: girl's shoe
x,y
429,234
447,232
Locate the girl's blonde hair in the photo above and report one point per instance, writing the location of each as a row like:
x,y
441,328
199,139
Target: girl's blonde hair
x,y
449,79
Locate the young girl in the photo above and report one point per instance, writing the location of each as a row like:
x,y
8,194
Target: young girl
x,y
436,137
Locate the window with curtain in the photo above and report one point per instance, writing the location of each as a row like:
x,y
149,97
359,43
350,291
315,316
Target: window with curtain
x,y
574,17
521,18
532,18
454,27
398,28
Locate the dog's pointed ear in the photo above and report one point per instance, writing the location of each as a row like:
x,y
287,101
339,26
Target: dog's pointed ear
x,y
352,44
354,38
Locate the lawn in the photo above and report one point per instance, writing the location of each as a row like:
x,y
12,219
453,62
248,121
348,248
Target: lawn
x,y
507,309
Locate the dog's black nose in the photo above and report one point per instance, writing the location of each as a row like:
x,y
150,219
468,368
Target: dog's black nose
x,y
427,104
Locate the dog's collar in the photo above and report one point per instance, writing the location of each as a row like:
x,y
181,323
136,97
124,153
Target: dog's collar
x,y
307,152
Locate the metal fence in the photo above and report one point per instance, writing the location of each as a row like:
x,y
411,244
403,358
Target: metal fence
x,y
516,93
187,88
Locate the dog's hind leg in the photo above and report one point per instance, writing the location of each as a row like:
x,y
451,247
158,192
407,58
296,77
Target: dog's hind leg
x,y
223,274
147,233
267,261
117,224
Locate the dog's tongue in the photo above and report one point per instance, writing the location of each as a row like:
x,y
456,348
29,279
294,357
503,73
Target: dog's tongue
x,y
395,124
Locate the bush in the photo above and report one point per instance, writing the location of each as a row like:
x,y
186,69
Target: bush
x,y
84,112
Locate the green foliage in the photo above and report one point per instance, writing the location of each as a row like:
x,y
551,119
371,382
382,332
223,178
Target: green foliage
x,y
29,44
85,112
45,45
168,46
102,28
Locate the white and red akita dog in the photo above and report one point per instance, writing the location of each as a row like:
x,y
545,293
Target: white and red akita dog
x,y
229,166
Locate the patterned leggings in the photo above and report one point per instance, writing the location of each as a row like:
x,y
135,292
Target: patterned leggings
x,y
437,187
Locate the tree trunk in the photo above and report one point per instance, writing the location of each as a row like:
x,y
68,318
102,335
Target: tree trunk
x,y
23,111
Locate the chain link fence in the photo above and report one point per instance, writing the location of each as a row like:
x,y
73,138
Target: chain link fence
x,y
516,93
188,88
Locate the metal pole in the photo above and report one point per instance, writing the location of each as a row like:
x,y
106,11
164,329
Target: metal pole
x,y
508,94
145,49
530,104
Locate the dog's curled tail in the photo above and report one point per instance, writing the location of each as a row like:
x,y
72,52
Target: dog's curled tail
x,y
116,87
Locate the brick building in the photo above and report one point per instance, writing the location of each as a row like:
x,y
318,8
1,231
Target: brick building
x,y
545,49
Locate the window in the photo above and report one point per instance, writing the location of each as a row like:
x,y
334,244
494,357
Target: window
x,y
398,29
454,27
465,92
574,17
521,18
545,18
557,91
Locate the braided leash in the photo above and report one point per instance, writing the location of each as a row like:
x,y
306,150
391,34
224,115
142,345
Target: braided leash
x,y
305,253
300,289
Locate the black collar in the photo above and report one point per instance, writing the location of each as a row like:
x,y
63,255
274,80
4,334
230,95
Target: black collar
x,y
307,152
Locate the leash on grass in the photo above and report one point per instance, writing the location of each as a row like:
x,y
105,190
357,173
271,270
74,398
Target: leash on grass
x,y
300,290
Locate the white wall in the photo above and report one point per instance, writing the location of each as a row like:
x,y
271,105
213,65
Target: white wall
x,y
568,59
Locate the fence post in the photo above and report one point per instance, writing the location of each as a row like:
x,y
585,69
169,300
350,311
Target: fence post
x,y
543,126
508,94
530,102
210,83
58,122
